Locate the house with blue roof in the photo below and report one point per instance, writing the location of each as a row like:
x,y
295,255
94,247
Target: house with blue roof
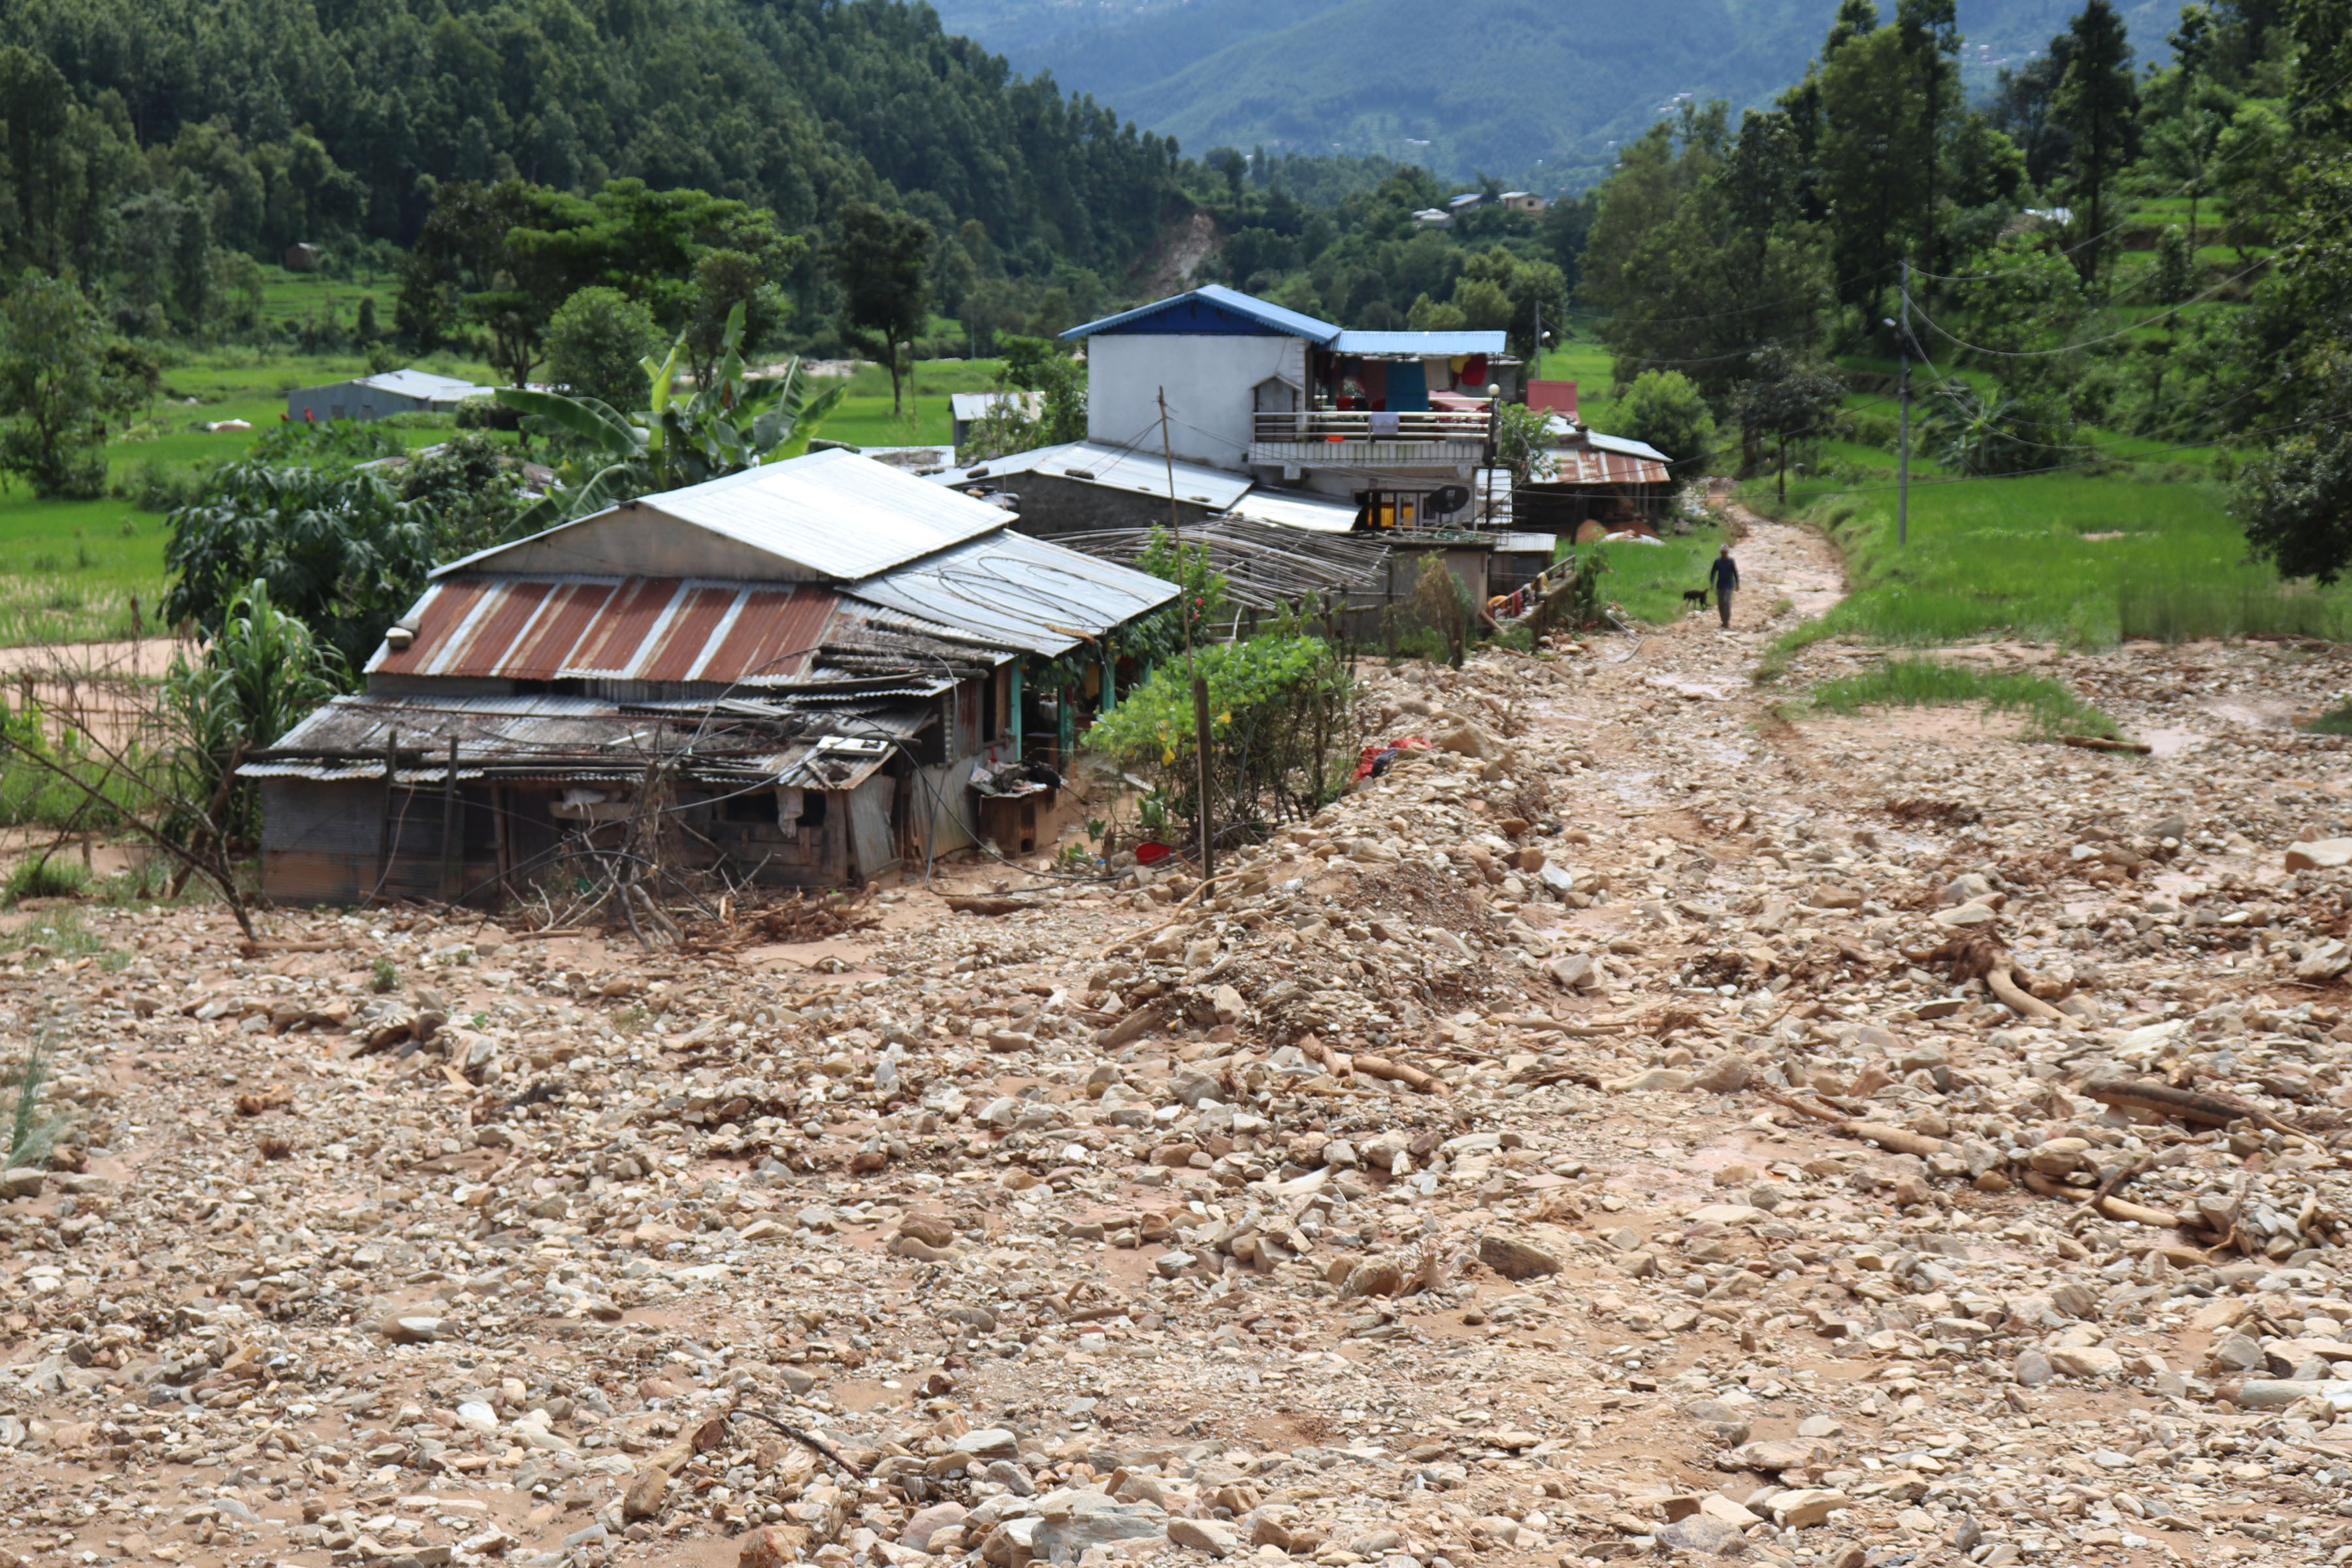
x,y
1398,423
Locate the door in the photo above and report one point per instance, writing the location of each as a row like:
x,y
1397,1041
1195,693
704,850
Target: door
x,y
869,826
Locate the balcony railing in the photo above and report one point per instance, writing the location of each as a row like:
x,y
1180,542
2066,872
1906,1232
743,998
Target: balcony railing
x,y
1356,425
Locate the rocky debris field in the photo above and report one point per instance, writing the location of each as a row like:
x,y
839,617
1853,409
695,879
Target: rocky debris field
x,y
1631,1124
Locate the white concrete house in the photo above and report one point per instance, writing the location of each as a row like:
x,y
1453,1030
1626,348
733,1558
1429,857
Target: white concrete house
x,y
1401,423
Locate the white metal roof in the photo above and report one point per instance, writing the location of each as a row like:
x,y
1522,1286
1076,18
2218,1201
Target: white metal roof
x,y
422,383
979,404
830,515
1136,472
1314,514
1625,445
1017,592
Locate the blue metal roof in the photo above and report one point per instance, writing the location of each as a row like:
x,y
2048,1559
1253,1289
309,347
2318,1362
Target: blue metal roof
x,y
1214,310
1419,345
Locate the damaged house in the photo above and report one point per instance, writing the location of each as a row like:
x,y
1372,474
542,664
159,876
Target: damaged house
x,y
799,675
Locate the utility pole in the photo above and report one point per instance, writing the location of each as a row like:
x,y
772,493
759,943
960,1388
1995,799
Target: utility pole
x,y
1903,442
1191,658
1538,374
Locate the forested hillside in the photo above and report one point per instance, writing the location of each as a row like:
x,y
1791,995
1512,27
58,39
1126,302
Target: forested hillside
x,y
1535,92
327,120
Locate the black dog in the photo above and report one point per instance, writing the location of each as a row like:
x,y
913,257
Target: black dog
x,y
1695,596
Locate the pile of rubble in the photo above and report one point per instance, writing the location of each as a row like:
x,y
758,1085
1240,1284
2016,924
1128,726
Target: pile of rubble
x,y
1630,1124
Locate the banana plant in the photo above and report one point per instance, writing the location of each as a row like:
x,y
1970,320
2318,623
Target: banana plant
x,y
728,425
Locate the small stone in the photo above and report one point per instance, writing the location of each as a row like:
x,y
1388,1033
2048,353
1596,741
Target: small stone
x,y
928,1522
1514,1258
2032,1368
21,1182
2086,1360
1807,1506
1204,1536
1707,1536
2319,855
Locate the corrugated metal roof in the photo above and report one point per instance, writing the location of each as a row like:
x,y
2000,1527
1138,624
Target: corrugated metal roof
x,y
979,404
1583,466
1626,445
422,383
1249,307
1019,592
615,628
828,514
484,728
568,738
1316,514
1113,468
1420,345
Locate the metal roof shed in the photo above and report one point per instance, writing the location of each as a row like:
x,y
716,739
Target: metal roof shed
x,y
829,516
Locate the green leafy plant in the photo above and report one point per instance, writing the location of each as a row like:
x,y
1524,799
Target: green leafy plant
x,y
33,1132
383,977
724,427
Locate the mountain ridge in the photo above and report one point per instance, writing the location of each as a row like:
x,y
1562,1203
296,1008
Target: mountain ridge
x,y
1500,88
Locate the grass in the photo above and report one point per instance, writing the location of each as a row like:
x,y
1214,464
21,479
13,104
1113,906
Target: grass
x,y
2082,558
864,417
1931,683
1647,580
73,571
43,877
33,1132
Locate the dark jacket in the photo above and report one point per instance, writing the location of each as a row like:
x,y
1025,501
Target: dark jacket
x,y
1723,576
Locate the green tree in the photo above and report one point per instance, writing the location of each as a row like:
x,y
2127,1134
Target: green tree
x,y
1875,157
1699,249
487,257
1788,397
595,342
2097,103
2174,277
54,391
1665,409
344,549
880,262
1931,38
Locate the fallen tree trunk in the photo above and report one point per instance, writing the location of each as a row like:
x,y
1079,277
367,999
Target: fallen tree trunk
x,y
2102,743
2187,1105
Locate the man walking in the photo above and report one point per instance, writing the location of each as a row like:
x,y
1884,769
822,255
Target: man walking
x,y
1723,576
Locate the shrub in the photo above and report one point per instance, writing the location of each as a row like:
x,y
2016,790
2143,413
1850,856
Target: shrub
x,y
1281,726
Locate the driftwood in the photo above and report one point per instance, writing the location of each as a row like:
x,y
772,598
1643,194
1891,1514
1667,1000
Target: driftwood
x,y
2102,743
2214,1110
1966,958
2113,1208
1554,1027
1341,1063
2019,1000
1901,1140
802,1438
